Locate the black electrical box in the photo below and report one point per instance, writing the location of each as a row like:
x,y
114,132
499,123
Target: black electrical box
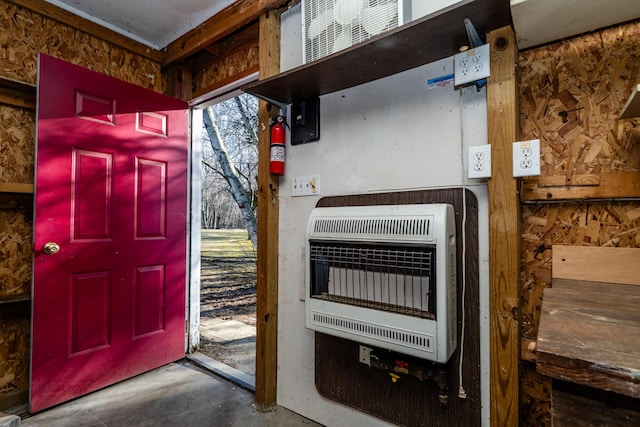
x,y
305,121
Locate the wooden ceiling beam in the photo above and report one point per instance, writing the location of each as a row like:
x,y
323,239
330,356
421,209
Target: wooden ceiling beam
x,y
229,20
64,17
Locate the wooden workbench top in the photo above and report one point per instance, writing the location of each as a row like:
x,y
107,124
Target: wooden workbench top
x,y
589,334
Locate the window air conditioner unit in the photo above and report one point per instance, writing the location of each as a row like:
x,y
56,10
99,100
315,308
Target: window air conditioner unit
x,y
384,276
332,25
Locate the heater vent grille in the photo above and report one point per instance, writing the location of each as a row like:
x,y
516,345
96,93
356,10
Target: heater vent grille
x,y
397,227
387,334
398,279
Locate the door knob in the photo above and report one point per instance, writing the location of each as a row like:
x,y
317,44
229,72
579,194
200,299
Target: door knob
x,y
50,248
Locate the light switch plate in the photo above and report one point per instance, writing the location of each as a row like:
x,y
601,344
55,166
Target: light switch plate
x,y
305,185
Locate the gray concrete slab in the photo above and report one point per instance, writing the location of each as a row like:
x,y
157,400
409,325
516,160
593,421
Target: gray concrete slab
x,y
225,331
233,342
178,394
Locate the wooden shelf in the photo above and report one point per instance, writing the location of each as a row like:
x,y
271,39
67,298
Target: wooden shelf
x,y
16,195
10,304
417,43
17,94
614,185
14,187
589,334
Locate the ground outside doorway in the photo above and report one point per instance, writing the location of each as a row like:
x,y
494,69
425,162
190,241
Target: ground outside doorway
x,y
228,299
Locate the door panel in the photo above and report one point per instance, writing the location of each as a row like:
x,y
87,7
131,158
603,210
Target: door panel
x,y
111,191
150,290
89,312
91,195
151,203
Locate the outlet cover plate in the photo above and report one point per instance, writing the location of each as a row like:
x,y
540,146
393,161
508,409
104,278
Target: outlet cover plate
x,y
526,158
471,65
365,355
479,162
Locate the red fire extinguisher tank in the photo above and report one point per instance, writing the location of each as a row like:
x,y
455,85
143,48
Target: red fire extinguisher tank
x,y
277,147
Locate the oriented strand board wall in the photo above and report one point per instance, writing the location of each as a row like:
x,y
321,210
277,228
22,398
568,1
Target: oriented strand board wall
x,y
15,252
587,224
225,70
17,135
23,35
14,366
570,96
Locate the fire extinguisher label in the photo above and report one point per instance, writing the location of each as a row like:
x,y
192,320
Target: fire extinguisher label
x,y
277,153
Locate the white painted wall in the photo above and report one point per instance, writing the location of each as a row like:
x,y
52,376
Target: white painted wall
x,y
387,135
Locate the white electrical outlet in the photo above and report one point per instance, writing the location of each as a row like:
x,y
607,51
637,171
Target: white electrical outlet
x,y
479,162
471,65
526,158
305,186
365,355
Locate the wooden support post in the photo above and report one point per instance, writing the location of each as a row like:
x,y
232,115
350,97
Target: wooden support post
x,y
504,231
180,82
268,187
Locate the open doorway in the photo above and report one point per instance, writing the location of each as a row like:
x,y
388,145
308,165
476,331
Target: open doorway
x,y
228,235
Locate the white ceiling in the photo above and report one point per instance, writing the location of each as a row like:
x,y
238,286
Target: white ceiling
x,y
542,21
154,23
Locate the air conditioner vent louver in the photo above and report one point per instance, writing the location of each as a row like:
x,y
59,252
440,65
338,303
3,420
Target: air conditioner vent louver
x,y
332,25
418,227
417,341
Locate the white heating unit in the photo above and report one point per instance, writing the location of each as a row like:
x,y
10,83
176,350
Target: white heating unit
x,y
384,276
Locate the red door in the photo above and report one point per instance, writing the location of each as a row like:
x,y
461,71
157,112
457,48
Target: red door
x,y
111,193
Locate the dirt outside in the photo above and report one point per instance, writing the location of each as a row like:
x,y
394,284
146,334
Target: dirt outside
x,y
227,293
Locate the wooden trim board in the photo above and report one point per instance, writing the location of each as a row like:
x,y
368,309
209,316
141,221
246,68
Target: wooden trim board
x,y
596,264
615,185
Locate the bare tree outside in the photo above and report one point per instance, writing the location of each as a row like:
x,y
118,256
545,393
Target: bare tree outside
x,y
230,157
228,256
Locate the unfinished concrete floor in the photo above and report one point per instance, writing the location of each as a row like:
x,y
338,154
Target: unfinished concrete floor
x,y
178,394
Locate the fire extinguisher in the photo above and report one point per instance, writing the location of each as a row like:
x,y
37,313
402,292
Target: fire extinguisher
x,y
277,146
